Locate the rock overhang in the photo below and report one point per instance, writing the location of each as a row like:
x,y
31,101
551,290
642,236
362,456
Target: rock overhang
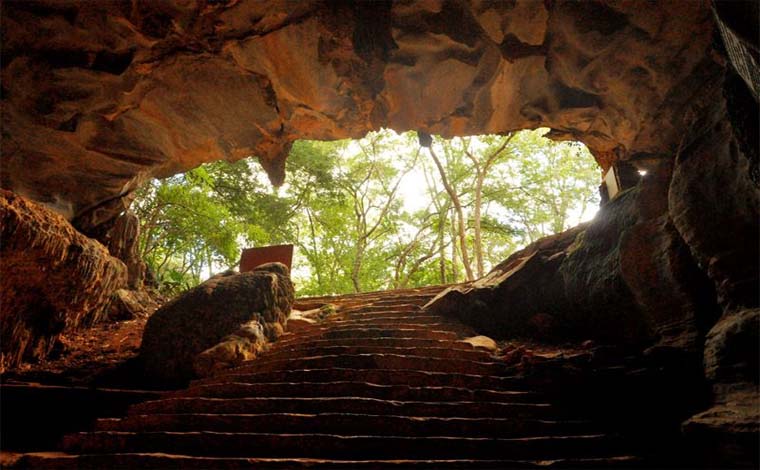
x,y
100,96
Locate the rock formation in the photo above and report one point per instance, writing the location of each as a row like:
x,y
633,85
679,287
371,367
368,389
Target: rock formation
x,y
225,320
123,92
53,278
98,97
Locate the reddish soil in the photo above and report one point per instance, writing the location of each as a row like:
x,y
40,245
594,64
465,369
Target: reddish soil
x,y
98,355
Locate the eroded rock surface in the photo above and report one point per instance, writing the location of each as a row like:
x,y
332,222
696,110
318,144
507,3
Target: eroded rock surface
x,y
239,311
53,279
125,91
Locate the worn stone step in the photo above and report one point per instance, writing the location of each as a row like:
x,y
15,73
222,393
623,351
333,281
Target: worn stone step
x,y
417,378
347,424
339,325
383,308
160,461
440,353
395,319
400,294
359,405
349,302
432,323
354,389
454,345
410,299
378,361
331,446
352,332
388,313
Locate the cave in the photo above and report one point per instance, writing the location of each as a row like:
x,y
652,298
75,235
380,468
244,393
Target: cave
x,y
659,294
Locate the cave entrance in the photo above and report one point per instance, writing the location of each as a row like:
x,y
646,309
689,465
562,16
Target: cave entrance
x,y
387,211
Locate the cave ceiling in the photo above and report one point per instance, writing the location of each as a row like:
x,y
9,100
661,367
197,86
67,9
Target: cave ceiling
x,y
97,97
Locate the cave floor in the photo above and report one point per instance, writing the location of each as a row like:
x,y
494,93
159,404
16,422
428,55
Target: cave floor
x,y
103,355
361,381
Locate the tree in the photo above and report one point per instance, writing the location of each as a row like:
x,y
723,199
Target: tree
x,y
482,164
184,230
459,212
477,199
547,187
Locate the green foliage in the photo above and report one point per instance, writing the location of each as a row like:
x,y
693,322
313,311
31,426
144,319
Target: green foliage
x,y
368,214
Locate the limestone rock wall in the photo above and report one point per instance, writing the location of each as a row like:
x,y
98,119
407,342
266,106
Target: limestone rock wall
x,y
52,278
103,95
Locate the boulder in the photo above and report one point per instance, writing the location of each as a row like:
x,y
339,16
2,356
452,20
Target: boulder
x,y
53,279
130,304
505,302
602,305
729,431
242,345
241,311
732,346
625,277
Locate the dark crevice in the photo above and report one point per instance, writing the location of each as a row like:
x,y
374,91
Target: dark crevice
x,y
114,63
61,59
743,113
372,31
595,16
70,125
573,97
513,49
453,21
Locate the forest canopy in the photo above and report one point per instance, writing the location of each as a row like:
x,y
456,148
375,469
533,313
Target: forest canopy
x,y
377,213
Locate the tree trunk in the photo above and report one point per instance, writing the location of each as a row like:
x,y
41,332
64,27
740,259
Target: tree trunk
x,y
478,232
460,215
357,267
454,264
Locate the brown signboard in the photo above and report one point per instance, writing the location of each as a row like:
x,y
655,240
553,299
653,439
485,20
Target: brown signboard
x,y
253,257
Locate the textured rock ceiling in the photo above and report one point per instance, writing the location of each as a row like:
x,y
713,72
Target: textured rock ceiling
x,y
99,96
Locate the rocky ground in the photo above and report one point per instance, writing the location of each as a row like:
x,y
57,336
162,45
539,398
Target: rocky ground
x,y
86,357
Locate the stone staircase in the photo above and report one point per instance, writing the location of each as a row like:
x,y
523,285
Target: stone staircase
x,y
377,384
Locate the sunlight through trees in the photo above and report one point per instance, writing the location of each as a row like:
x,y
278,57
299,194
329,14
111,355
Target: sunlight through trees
x,y
376,213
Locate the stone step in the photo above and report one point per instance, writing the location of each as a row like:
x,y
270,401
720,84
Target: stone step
x,y
207,443
416,378
160,461
358,405
415,302
454,345
340,325
354,389
433,323
384,312
407,299
376,361
439,353
365,297
387,314
394,319
376,309
346,424
353,332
